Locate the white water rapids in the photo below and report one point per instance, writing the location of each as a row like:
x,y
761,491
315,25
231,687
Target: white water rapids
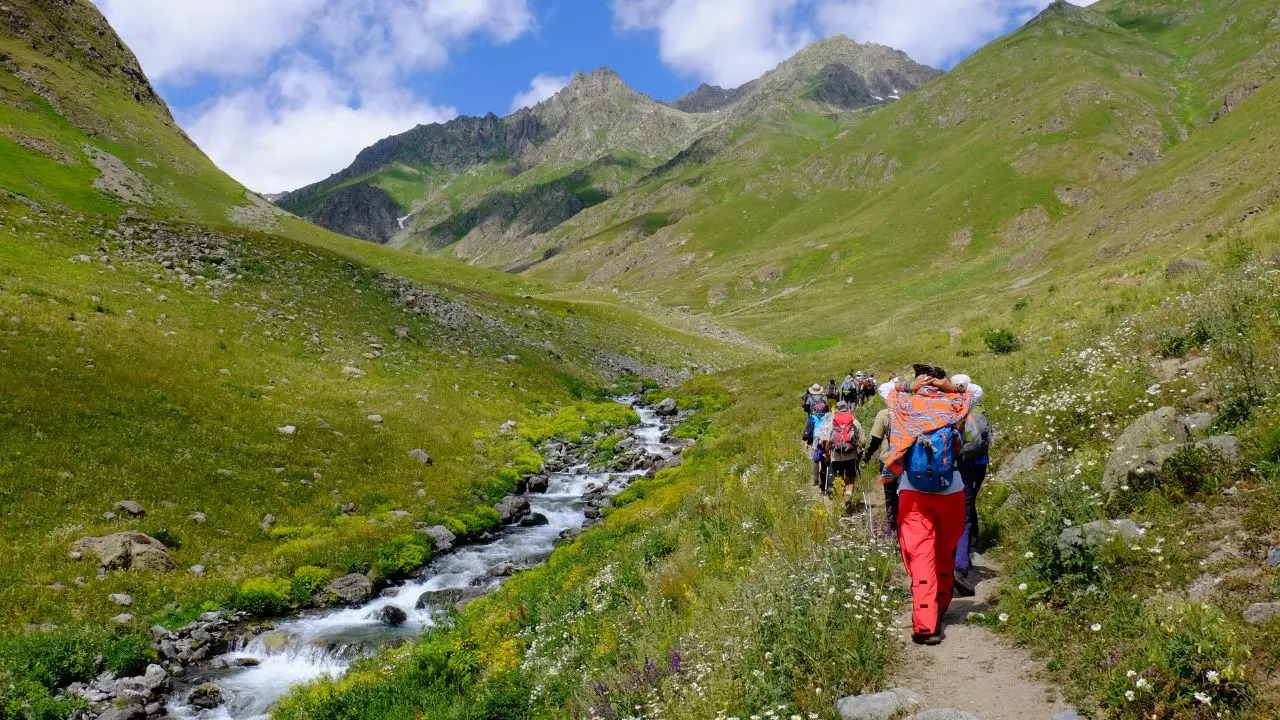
x,y
325,643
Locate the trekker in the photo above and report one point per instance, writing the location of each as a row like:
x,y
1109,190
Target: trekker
x,y
925,447
841,437
974,459
833,392
814,404
866,387
819,453
849,389
879,435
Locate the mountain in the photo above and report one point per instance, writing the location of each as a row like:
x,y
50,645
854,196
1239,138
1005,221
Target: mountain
x,y
478,185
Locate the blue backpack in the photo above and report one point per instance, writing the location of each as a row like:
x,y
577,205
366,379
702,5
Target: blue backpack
x,y
933,459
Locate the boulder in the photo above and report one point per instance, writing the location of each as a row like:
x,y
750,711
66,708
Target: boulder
x,y
534,520
1197,423
449,597
879,706
503,570
123,618
512,508
126,551
1273,556
539,484
350,589
421,456
1100,531
392,615
206,697
129,507
1259,613
121,599
149,684
667,407
126,712
1228,446
267,522
1155,429
440,536
354,372
197,517
1027,459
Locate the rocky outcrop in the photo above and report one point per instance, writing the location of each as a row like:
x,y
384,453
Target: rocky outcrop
x,y
347,590
879,706
126,551
360,211
1027,459
1155,431
1099,532
709,98
448,598
512,508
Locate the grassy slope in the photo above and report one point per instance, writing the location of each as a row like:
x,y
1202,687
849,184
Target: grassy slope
x,y
122,381
784,226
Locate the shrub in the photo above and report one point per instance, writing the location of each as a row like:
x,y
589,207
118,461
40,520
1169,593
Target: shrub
x,y
1189,471
264,596
34,667
306,581
1002,342
166,536
402,555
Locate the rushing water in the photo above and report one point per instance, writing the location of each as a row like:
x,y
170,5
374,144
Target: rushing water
x,y
325,643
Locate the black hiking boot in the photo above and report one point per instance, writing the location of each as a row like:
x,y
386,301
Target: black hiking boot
x,y
963,588
930,639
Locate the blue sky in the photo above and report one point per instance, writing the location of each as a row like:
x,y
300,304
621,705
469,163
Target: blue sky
x,y
281,93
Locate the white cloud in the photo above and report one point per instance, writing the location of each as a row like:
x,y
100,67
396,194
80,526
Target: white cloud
x,y
541,87
728,42
303,85
934,32
300,127
725,42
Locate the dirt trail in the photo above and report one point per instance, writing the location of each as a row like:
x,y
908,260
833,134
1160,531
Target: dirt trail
x,y
974,669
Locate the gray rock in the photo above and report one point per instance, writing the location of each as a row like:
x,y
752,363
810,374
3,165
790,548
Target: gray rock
x,y
503,570
1273,556
108,516
129,507
535,520
288,429
246,662
879,706
392,615
666,408
147,685
449,597
1185,266
123,618
375,418
512,508
1155,429
1228,446
1027,459
509,359
197,517
1067,714
206,697
421,456
539,483
350,589
127,712
1100,531
1259,613
1197,423
944,714
440,537
121,599
196,569
353,372
268,521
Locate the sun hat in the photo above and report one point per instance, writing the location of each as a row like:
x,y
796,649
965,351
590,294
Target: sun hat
x,y
961,380
815,388
842,406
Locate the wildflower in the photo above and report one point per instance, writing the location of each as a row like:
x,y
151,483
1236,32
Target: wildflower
x,y
1096,627
1211,676
1142,684
1004,617
1022,587
1128,695
1130,673
1203,698
1028,555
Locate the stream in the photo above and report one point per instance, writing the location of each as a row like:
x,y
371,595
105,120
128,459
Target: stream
x,y
325,643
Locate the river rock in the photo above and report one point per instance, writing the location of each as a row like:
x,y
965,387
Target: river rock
x,y
440,536
503,570
392,615
879,706
1259,613
246,662
1157,428
534,520
275,640
129,507
667,407
448,597
1027,459
125,712
147,685
206,697
512,508
349,589
126,551
539,484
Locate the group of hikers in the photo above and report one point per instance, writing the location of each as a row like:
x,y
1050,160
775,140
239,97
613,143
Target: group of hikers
x,y
932,439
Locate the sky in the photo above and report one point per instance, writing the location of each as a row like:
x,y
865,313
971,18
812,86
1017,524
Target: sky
x,y
283,93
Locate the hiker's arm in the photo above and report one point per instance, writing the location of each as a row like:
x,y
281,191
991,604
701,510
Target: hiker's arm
x,y
871,449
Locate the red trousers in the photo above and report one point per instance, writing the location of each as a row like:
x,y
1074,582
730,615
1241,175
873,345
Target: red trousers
x,y
929,528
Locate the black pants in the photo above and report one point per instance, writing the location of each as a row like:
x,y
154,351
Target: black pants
x,y
973,477
891,503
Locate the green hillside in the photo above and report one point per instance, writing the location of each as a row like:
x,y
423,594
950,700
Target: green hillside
x,y
171,339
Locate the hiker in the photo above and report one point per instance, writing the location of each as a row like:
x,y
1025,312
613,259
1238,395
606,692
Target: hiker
x,y
814,403
974,458
866,387
819,454
849,389
924,452
832,392
841,437
879,437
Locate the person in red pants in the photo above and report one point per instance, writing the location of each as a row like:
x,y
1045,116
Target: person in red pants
x,y
924,455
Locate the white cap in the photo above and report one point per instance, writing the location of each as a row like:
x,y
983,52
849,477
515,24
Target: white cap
x,y
961,380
